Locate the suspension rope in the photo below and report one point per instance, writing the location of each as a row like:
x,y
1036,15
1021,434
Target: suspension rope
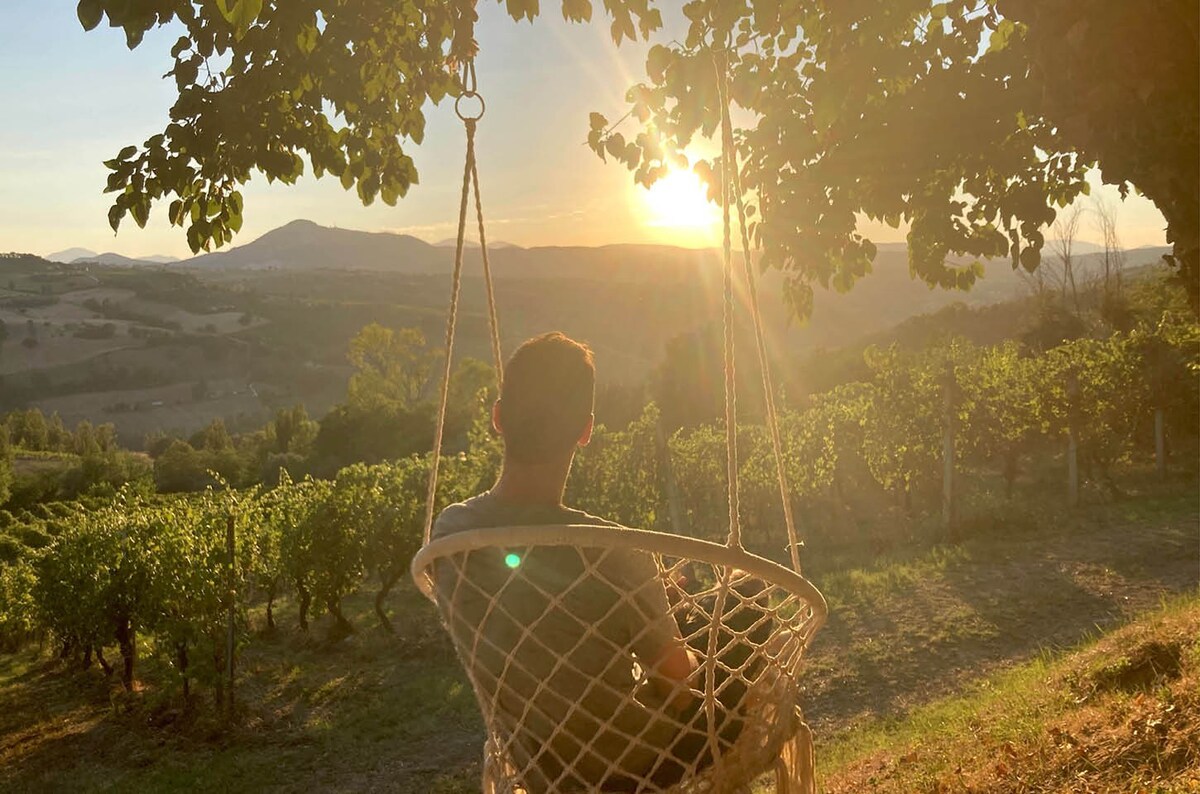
x,y
470,179
729,162
471,91
731,455
493,316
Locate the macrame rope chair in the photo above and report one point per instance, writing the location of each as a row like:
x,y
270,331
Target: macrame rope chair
x,y
527,608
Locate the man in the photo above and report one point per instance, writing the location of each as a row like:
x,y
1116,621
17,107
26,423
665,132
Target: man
x,y
563,677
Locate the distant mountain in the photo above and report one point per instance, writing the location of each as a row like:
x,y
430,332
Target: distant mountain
x,y
80,256
70,255
452,242
304,245
1078,247
118,260
885,297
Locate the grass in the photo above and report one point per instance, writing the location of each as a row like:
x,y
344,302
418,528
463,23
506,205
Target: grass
x,y
1120,714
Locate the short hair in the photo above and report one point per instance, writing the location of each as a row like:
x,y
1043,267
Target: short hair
x,y
547,397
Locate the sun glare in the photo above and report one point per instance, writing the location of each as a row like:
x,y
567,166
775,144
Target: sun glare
x,y
678,201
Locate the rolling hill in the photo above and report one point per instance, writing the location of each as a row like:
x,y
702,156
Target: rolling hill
x,y
267,323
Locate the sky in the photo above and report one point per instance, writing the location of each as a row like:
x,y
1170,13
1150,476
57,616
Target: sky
x,y
70,100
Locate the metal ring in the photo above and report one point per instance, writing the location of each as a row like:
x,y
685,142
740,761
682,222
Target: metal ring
x,y
469,95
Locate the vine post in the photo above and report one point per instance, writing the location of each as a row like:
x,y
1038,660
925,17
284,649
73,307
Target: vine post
x,y
1072,437
668,473
1160,418
949,497
1160,442
230,594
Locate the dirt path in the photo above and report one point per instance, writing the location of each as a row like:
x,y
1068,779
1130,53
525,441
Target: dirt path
x,y
901,639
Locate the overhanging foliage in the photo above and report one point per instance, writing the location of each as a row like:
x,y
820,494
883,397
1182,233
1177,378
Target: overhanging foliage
x,y
969,120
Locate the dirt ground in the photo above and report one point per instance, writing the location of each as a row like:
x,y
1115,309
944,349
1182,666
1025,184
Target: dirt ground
x,y
1002,601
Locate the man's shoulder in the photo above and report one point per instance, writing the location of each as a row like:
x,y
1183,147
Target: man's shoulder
x,y
462,516
572,515
484,511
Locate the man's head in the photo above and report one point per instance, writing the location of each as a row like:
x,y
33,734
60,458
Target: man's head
x,y
545,405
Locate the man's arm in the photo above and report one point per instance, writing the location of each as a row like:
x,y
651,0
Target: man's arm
x,y
668,662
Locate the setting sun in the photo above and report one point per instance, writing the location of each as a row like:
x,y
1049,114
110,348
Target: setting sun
x,y
678,201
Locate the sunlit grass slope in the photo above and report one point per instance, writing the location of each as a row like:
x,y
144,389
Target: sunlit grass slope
x,y
1121,714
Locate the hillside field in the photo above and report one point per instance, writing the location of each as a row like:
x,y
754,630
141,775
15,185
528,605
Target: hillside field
x,y
271,320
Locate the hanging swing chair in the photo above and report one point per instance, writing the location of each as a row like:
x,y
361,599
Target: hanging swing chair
x,y
745,619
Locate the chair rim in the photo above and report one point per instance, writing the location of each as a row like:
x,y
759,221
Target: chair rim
x,y
602,536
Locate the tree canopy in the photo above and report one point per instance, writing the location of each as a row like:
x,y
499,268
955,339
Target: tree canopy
x,y
969,120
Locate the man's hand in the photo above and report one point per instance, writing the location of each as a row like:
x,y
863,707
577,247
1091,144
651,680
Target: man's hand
x,y
675,589
669,673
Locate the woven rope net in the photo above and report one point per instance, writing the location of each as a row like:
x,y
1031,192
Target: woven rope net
x,y
553,631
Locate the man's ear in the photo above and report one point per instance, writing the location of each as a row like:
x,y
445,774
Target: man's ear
x,y
496,418
586,437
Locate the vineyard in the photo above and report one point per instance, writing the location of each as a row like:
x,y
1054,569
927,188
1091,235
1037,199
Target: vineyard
x,y
178,576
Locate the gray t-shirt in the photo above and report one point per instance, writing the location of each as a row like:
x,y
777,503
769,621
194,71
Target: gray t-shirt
x,y
555,647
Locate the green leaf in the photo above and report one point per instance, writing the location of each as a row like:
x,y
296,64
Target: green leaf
x,y
615,145
1001,35
1030,258
127,152
90,13
228,11
577,10
657,61
240,13
115,213
306,39
140,210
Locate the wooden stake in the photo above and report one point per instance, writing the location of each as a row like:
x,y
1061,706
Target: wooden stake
x,y
1160,443
949,497
231,594
1072,439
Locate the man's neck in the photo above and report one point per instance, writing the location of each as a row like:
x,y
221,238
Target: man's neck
x,y
532,483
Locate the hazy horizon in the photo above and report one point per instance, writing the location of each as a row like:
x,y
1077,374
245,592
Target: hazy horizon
x,y
1082,244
